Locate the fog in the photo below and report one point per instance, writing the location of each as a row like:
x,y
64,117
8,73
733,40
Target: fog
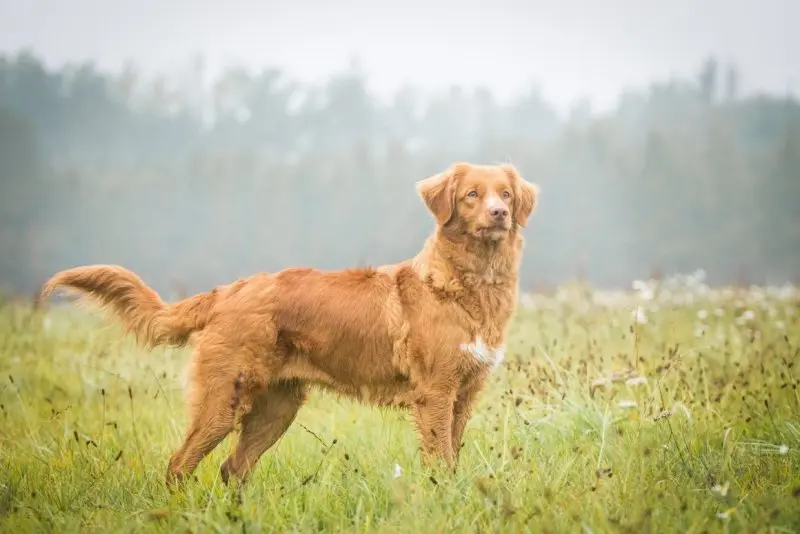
x,y
195,143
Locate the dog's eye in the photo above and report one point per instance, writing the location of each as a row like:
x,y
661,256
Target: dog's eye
x,y
506,194
472,194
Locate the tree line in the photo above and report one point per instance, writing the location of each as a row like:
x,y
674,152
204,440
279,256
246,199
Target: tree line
x,y
192,184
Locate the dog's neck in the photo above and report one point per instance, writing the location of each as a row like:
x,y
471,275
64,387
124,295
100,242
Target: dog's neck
x,y
481,277
454,261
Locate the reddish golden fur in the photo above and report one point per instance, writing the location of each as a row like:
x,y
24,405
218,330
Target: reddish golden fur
x,y
392,336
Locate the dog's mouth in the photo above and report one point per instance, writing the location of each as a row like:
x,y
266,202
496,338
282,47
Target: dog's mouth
x,y
495,231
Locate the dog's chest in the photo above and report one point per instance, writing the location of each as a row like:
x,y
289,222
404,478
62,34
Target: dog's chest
x,y
482,353
490,303
490,306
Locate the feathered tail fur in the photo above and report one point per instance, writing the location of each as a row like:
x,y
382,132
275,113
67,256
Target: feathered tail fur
x,y
137,306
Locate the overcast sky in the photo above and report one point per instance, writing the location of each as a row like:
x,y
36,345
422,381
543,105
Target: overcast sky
x,y
569,48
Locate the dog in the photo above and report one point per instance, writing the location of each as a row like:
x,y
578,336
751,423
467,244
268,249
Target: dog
x,y
421,335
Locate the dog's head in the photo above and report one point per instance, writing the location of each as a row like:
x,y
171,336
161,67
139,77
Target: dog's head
x,y
484,202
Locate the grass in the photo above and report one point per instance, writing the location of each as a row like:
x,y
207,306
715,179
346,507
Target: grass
x,y
685,420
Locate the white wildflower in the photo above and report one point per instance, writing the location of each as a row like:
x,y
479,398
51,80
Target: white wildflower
x,y
627,404
527,302
699,331
702,314
747,315
643,290
719,312
698,277
728,293
724,515
636,380
721,490
602,381
398,471
639,315
783,450
786,292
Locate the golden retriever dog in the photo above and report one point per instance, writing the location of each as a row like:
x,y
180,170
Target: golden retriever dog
x,y
421,335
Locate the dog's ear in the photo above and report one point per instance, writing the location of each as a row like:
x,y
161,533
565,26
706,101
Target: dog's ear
x,y
439,192
526,195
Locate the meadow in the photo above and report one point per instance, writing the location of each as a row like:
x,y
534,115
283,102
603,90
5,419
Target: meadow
x,y
672,407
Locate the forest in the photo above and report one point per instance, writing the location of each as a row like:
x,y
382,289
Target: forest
x,y
192,184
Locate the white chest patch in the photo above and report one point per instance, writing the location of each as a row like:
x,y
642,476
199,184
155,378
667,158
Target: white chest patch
x,y
483,353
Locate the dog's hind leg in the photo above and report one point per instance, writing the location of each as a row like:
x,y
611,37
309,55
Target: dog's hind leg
x,y
222,389
274,410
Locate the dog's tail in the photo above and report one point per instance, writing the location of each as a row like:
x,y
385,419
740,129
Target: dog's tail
x,y
137,306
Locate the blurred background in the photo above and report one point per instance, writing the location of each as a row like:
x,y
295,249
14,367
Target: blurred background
x,y
196,142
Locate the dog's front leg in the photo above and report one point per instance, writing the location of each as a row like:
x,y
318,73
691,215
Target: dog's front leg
x,y
433,412
462,409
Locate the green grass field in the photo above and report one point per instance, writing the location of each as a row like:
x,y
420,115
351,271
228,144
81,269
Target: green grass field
x,y
683,417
